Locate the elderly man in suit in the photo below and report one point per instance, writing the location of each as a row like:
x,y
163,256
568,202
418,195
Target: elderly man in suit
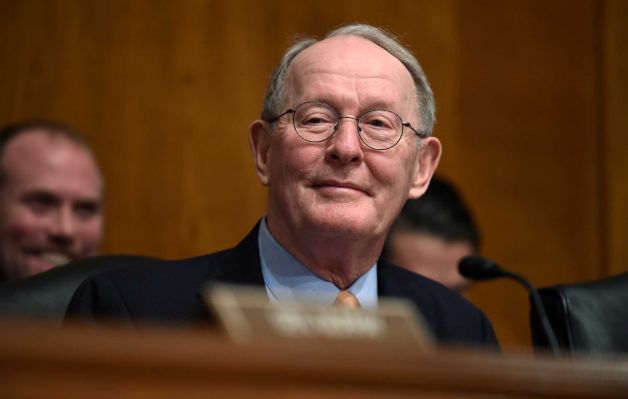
x,y
343,141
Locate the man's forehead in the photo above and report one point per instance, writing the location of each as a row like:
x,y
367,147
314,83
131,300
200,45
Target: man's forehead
x,y
346,51
38,156
347,58
38,144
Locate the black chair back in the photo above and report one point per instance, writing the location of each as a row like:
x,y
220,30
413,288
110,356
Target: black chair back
x,y
588,318
46,295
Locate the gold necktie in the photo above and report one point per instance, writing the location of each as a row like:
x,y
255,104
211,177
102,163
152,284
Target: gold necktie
x,y
347,300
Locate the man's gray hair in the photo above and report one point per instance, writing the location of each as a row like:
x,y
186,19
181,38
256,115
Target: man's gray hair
x,y
275,92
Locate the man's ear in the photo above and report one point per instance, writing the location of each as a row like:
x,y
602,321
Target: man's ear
x,y
260,140
429,155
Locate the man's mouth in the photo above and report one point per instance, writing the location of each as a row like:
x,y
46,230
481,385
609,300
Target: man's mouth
x,y
339,185
56,259
53,257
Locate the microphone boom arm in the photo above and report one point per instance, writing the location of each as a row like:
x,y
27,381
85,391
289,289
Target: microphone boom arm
x,y
479,268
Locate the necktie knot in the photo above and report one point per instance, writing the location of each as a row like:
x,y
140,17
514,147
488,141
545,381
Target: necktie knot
x,y
347,299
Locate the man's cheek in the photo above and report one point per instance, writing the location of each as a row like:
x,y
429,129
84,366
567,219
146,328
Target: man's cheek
x,y
25,233
89,237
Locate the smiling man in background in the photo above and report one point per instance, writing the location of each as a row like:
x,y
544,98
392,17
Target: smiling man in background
x,y
51,198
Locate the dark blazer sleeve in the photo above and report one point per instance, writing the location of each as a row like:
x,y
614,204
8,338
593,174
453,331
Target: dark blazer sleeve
x,y
165,292
451,318
97,298
488,334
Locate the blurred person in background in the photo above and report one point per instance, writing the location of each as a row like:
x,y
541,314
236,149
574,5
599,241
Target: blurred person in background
x,y
51,199
432,234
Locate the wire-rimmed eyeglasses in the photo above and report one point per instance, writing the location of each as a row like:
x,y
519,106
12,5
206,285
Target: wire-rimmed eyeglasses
x,y
379,129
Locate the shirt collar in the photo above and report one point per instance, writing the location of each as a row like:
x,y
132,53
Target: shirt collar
x,y
286,279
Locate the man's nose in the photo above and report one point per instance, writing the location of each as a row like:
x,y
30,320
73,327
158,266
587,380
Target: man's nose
x,y
63,225
345,145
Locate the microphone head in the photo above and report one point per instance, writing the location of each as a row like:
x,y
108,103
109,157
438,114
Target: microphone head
x,y
479,268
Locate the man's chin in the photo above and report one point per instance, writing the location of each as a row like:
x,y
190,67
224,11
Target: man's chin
x,y
343,224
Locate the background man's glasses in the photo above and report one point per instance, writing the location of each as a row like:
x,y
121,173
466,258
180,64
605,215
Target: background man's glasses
x,y
378,129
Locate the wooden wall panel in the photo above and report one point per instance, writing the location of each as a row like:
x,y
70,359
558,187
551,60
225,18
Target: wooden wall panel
x,y
615,151
529,138
165,91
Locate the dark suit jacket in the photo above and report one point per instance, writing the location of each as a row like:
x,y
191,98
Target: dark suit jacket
x,y
169,292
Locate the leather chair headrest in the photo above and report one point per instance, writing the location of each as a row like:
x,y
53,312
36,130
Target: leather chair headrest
x,y
46,295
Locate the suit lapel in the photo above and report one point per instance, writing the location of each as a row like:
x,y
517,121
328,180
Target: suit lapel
x,y
392,282
238,265
247,266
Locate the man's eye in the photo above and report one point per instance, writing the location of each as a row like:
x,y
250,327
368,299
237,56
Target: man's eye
x,y
86,209
312,121
316,120
381,123
40,203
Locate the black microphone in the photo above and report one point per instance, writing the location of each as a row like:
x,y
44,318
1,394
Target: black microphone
x,y
479,268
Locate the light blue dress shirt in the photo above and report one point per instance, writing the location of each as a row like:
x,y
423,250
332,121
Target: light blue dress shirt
x,y
288,280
